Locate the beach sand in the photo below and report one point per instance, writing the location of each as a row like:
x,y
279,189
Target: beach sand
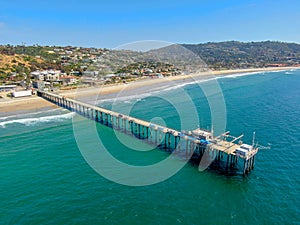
x,y
34,103
108,89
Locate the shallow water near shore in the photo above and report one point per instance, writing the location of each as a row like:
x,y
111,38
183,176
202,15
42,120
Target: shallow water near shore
x,y
45,180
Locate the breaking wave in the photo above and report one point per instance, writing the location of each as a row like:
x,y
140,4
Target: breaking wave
x,y
30,113
239,75
33,121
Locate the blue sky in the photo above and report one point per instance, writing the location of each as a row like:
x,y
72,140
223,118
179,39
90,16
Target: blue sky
x,y
112,23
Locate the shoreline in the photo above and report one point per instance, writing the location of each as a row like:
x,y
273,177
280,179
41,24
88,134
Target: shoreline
x,y
108,89
34,103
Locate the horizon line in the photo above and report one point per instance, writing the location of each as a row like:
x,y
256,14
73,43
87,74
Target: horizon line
x,y
171,43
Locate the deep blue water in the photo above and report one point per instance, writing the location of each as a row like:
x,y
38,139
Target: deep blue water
x,y
45,179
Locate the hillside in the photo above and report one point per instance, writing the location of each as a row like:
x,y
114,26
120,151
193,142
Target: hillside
x,y
18,65
233,54
16,62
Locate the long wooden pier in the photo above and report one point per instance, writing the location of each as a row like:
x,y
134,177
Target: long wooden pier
x,y
227,156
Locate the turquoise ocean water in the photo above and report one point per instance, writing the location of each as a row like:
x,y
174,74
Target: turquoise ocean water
x,y
45,179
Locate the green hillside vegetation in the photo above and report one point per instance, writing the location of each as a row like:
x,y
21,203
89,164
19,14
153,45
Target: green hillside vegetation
x,y
16,62
234,54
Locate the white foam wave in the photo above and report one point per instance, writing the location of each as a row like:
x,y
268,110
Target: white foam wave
x,y
238,75
126,99
167,88
186,84
153,92
33,121
31,113
294,71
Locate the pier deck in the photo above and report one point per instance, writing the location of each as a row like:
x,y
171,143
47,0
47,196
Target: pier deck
x,y
191,145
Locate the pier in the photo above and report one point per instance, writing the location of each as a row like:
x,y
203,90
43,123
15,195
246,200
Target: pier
x,y
226,153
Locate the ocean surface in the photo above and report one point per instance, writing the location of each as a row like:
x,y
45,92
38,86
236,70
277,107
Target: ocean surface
x,y
46,180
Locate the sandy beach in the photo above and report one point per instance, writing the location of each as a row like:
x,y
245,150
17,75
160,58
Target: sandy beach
x,y
34,103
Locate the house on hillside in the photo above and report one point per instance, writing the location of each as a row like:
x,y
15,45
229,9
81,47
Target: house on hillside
x,y
89,73
46,75
37,75
52,75
68,80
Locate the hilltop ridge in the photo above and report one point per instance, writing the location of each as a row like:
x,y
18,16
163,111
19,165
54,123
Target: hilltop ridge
x,y
234,54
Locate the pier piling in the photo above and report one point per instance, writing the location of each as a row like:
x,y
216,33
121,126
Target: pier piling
x,y
159,136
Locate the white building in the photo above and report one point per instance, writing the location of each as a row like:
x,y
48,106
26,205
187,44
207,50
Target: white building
x,y
6,88
52,75
37,75
46,75
18,94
